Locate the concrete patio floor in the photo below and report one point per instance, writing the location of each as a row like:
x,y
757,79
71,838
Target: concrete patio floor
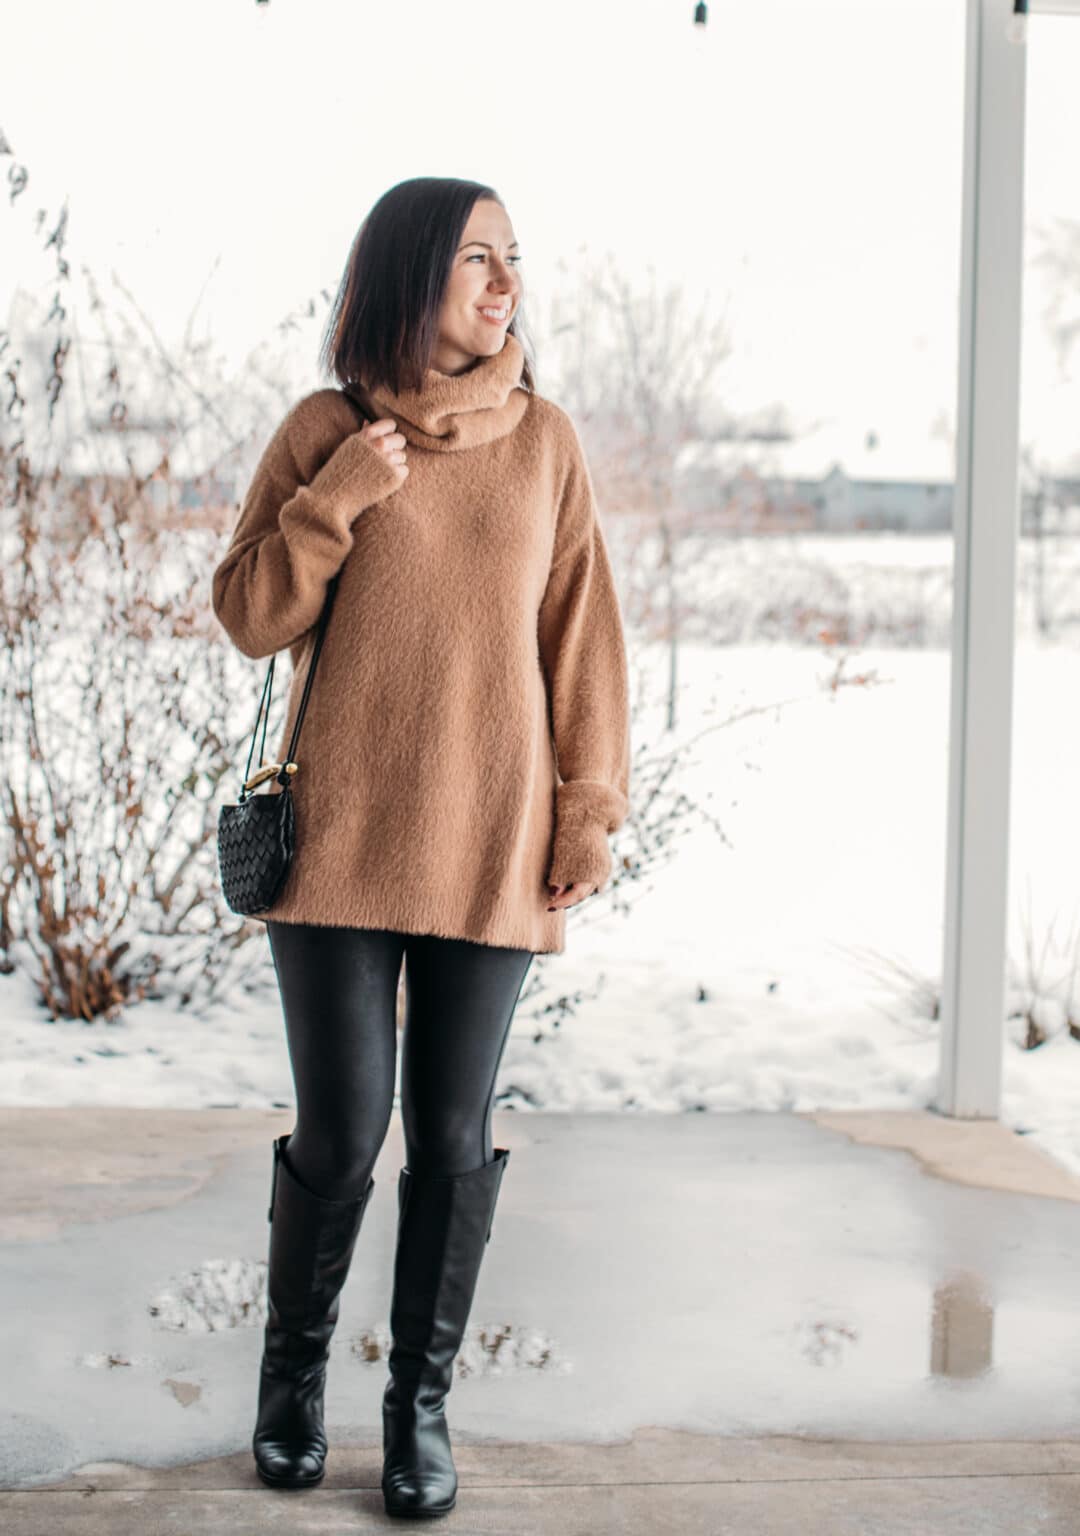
x,y
843,1323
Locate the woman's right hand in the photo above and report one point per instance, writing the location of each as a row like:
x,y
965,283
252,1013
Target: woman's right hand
x,y
381,435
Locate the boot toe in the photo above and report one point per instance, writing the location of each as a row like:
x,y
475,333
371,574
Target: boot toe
x,y
290,1466
408,1494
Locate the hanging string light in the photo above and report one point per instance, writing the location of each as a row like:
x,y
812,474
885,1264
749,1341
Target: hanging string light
x,y
1016,30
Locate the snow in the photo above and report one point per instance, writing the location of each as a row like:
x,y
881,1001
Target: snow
x,y
220,1293
786,957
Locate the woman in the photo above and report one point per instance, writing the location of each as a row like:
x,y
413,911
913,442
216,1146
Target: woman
x,y
465,757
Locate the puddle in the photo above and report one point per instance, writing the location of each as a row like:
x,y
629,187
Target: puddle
x,y
185,1392
961,1328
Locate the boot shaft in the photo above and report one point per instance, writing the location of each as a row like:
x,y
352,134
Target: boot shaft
x,y
444,1225
311,1248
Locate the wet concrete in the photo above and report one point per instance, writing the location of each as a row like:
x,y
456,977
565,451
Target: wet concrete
x,y
698,1322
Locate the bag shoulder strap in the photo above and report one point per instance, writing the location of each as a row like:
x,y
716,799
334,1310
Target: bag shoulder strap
x,y
324,618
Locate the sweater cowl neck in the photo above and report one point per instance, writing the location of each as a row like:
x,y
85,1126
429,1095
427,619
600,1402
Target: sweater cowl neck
x,y
459,410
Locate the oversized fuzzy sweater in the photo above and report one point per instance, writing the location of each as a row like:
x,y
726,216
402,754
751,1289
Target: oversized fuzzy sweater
x,y
466,737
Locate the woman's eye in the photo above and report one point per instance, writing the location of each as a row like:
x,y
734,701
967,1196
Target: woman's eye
x,y
479,256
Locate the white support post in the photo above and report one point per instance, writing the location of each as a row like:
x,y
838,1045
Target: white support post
x,y
986,529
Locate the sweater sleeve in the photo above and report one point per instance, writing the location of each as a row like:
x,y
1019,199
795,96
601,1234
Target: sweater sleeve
x,y
295,527
583,653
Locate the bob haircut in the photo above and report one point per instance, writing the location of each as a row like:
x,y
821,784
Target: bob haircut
x,y
384,322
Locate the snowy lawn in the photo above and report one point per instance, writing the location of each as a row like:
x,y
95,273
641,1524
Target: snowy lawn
x,y
787,964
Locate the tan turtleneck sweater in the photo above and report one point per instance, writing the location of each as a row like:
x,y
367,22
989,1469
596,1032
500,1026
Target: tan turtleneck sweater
x,y
466,738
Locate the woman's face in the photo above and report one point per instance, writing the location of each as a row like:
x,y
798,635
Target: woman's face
x,y
484,276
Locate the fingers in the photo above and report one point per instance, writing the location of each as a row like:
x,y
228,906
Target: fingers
x,y
382,432
381,427
390,443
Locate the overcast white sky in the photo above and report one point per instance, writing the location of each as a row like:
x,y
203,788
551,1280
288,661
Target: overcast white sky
x,y
800,161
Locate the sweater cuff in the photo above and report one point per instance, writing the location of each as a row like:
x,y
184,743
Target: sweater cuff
x,y
359,468
585,812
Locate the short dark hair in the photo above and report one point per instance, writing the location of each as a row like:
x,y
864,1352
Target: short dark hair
x,y
383,325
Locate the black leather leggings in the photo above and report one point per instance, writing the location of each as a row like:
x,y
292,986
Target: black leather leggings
x,y
338,992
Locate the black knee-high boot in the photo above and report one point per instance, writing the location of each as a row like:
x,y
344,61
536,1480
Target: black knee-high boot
x,y
443,1227
311,1247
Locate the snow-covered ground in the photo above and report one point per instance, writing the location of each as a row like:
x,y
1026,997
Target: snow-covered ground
x,y
788,963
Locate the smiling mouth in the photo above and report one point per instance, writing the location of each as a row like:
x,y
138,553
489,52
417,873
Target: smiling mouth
x,y
499,318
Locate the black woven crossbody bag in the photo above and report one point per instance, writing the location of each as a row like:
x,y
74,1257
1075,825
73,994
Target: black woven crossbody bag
x,y
256,836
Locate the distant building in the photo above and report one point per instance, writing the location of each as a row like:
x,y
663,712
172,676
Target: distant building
x,y
830,481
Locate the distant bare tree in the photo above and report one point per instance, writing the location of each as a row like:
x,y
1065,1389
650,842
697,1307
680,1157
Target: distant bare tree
x,y
1056,251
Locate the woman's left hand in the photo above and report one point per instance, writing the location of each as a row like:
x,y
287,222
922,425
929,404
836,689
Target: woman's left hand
x,y
569,895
